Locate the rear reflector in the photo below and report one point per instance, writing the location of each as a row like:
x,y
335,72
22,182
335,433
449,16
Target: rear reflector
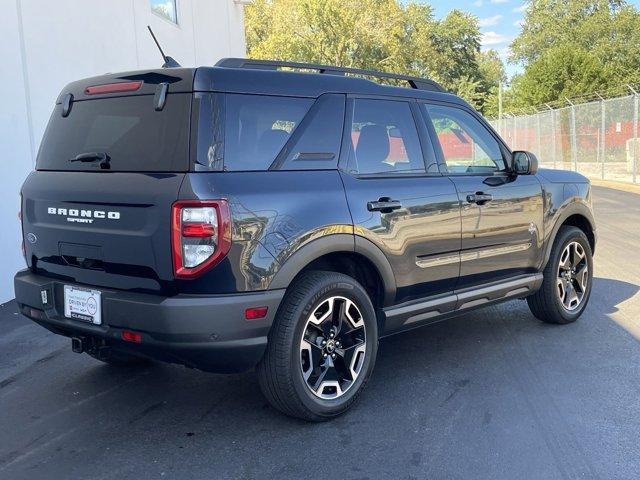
x,y
254,313
113,88
33,312
134,337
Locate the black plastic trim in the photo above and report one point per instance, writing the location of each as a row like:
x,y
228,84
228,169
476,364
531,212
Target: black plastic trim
x,y
205,332
422,312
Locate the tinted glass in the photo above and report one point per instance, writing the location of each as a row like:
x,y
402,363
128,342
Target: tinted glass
x,y
384,138
257,127
316,144
128,129
208,115
467,146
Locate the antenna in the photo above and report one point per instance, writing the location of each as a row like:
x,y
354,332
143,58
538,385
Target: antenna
x,y
168,61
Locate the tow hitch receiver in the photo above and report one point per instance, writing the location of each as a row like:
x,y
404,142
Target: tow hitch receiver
x,y
77,344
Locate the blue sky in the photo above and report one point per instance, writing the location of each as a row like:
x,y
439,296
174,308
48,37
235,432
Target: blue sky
x,y
499,21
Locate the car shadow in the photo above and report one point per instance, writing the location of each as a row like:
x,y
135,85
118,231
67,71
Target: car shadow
x,y
456,371
608,293
221,398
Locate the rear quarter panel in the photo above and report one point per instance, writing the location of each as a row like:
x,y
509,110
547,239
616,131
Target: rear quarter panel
x,y
274,214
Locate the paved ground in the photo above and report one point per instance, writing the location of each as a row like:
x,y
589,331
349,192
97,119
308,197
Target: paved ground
x,y
494,394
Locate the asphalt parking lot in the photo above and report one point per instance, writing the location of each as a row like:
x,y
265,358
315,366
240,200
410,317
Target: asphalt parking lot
x,y
494,394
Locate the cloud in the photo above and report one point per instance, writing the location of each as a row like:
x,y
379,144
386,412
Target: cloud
x,y
489,21
520,9
494,38
496,2
518,23
478,3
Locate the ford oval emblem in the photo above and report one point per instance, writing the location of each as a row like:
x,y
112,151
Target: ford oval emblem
x,y
32,237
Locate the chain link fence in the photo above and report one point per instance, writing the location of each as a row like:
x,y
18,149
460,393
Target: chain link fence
x,y
598,139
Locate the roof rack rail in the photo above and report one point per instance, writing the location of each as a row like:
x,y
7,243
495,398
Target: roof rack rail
x,y
414,82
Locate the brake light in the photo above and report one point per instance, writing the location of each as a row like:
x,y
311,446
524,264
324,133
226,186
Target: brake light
x,y
201,235
198,230
113,88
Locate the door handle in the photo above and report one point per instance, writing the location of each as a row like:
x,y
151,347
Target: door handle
x,y
384,205
479,198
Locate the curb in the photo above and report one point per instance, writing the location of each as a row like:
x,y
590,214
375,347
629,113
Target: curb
x,y
625,187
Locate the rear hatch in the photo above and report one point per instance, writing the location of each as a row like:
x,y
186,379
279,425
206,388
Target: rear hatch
x,y
97,209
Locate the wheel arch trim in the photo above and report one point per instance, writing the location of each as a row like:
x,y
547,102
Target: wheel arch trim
x,y
337,243
565,212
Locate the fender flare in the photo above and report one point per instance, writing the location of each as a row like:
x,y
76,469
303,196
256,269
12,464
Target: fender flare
x,y
336,243
566,211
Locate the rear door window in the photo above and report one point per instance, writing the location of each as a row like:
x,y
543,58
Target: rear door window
x,y
135,136
384,138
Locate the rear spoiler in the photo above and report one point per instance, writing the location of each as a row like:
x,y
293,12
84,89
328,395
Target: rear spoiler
x,y
179,80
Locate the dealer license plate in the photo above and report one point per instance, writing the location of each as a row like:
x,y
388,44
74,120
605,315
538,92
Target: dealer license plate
x,y
82,304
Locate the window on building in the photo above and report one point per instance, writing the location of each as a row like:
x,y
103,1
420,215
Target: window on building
x,y
166,9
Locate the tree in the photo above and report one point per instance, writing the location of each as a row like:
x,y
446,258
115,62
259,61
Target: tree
x,y
562,71
575,47
492,74
386,35
550,22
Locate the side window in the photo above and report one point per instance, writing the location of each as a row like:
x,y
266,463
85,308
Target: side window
x,y
257,127
207,113
466,144
384,138
316,144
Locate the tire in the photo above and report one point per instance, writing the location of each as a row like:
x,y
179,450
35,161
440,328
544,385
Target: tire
x,y
115,358
288,372
554,303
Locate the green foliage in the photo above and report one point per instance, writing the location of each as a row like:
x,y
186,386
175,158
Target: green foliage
x,y
385,35
567,47
561,71
575,47
550,22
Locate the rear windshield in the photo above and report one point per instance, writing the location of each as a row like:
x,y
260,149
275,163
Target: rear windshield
x,y
134,136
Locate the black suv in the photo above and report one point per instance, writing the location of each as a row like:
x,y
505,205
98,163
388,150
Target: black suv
x,y
251,215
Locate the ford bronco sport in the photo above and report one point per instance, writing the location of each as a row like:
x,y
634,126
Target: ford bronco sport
x,y
254,215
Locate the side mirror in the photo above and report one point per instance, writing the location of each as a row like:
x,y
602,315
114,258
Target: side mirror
x,y
524,163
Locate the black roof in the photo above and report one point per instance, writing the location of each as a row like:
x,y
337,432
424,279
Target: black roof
x,y
245,79
412,81
283,82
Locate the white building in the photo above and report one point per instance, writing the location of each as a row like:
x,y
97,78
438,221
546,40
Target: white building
x,y
45,45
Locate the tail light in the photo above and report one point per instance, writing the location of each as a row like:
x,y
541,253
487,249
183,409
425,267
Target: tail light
x,y
201,235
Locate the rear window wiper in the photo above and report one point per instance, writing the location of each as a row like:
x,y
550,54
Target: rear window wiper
x,y
90,157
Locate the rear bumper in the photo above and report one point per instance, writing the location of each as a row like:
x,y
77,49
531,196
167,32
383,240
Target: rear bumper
x,y
205,332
